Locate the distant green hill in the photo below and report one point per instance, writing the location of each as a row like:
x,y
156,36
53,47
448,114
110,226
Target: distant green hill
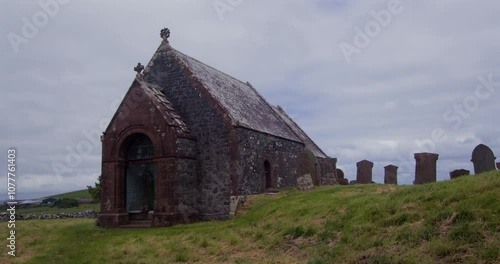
x,y
82,194
455,221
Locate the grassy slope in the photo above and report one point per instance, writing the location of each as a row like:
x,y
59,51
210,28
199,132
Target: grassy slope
x,y
445,222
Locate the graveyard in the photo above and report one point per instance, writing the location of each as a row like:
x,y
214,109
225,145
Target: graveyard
x,y
482,158
251,132
443,222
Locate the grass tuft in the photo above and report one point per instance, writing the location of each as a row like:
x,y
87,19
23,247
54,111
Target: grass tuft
x,y
444,222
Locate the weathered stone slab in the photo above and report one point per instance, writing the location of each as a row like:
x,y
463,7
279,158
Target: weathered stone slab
x,y
364,174
234,202
391,174
343,182
340,177
425,168
340,174
483,159
457,173
305,182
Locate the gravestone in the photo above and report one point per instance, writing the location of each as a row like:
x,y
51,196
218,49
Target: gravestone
x,y
340,174
305,182
326,171
457,173
391,174
234,201
425,168
498,165
364,174
309,165
483,159
340,177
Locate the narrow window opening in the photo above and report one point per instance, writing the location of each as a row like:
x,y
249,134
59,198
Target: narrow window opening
x,y
268,175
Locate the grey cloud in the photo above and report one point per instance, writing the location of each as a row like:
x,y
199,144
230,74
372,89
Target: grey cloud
x,y
67,79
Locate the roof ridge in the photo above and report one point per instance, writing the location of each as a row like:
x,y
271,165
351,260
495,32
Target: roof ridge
x,y
162,100
246,83
240,104
283,112
193,76
272,109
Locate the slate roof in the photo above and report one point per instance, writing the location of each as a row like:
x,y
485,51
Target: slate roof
x,y
242,102
310,145
246,107
164,106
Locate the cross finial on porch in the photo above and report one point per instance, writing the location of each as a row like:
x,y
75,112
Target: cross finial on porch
x,y
139,68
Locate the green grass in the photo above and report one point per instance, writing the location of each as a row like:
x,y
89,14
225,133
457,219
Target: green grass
x,y
445,222
82,194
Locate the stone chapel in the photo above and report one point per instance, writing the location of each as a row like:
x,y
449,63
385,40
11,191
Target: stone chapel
x,y
188,137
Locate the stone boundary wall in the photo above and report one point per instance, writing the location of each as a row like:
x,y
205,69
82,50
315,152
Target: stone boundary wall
x,y
86,214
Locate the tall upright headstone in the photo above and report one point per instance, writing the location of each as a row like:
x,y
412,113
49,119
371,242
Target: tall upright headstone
x,y
364,174
483,159
425,168
341,178
498,165
391,174
340,174
457,173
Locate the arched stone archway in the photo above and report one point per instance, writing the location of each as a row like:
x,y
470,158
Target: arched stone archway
x,y
132,176
140,176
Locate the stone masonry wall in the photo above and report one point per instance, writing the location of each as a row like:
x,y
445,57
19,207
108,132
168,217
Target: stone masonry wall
x,y
206,123
254,149
187,179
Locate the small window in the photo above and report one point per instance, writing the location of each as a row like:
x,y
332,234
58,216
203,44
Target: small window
x,y
268,175
141,148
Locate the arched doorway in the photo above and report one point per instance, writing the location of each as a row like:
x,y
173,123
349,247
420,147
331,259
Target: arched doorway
x,y
268,175
140,177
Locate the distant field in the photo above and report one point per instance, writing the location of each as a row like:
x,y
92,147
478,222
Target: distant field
x,y
82,194
48,209
54,210
455,221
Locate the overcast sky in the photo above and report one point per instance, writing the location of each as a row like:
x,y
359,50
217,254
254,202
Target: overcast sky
x,y
376,80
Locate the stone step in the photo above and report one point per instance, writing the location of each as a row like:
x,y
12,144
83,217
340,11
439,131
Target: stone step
x,y
137,224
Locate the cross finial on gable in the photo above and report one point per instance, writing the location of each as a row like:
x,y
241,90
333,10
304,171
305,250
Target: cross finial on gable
x,y
165,34
139,69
